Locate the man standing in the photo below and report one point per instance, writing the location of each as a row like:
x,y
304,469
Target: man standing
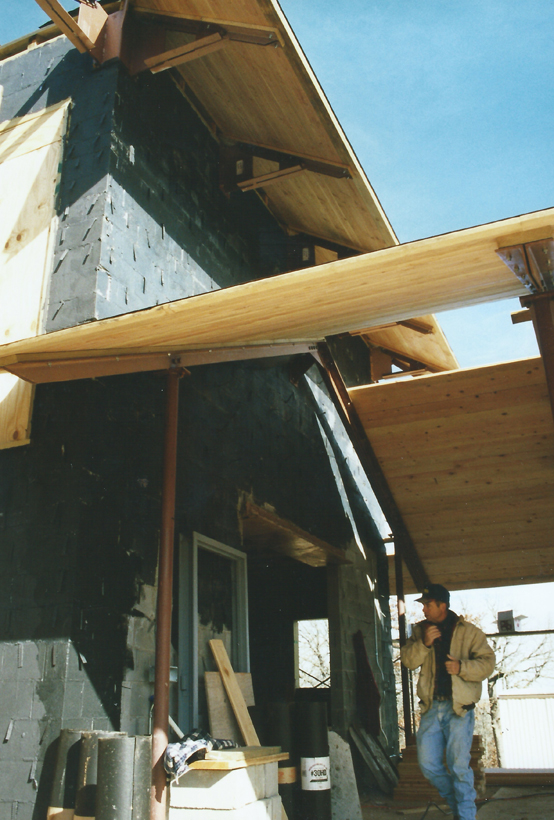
x,y
455,658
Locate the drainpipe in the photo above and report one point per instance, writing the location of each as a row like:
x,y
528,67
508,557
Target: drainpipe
x,y
408,732
164,601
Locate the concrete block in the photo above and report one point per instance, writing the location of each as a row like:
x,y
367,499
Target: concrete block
x,y
271,779
202,789
345,801
73,699
268,809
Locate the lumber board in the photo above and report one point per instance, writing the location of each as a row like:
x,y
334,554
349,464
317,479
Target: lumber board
x,y
519,777
376,750
29,171
234,693
221,716
227,759
236,699
382,780
67,24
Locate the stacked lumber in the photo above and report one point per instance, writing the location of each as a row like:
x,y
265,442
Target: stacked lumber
x,y
413,786
520,777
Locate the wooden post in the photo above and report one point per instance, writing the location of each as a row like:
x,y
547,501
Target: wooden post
x,y
541,306
406,708
164,601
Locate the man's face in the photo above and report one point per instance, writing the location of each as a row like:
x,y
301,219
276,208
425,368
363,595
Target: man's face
x,y
435,611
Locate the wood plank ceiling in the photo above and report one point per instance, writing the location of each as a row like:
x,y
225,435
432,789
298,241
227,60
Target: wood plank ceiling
x,y
453,270
469,458
269,96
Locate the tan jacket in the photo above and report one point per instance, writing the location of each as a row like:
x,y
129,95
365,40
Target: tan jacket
x,y
469,646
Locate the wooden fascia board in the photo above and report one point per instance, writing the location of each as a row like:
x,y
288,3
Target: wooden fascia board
x,y
95,364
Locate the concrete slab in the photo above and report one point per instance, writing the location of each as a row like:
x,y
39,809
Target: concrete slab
x,y
522,803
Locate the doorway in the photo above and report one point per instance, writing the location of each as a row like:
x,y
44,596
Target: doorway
x,y
213,604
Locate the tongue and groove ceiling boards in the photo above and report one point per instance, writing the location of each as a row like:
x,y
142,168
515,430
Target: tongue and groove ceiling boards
x,y
268,96
469,458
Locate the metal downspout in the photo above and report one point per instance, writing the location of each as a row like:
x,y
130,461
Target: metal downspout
x,y
164,601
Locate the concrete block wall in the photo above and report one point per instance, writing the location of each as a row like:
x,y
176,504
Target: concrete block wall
x,y
44,686
250,793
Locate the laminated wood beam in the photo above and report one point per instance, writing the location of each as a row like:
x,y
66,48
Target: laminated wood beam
x,y
267,179
371,466
44,369
67,25
186,53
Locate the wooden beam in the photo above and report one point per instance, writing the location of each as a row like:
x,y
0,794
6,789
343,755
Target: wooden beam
x,y
519,316
268,179
541,305
186,53
43,370
371,465
92,22
67,25
270,34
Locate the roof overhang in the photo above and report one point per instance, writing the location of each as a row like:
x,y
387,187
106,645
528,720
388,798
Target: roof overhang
x,y
469,458
241,67
302,307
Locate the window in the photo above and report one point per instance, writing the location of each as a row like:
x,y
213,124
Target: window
x,y
312,659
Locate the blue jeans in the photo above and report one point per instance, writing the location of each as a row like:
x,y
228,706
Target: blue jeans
x,y
440,730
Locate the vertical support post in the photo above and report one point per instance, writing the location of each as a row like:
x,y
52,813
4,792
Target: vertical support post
x,y
542,307
401,603
164,601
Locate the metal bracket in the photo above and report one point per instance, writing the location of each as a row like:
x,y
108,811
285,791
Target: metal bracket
x,y
532,263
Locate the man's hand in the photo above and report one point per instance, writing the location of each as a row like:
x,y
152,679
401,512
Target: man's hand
x,y
431,634
453,666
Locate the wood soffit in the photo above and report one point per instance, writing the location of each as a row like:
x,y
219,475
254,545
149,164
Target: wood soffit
x,y
241,62
361,292
264,531
469,458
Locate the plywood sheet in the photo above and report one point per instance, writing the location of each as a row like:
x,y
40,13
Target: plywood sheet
x,y
223,723
469,458
440,273
29,160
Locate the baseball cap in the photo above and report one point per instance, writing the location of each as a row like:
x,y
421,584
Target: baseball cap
x,y
434,592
